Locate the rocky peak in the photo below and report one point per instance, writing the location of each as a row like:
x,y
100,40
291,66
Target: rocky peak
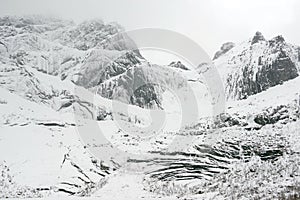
x,y
224,49
277,40
258,37
250,70
91,25
96,34
178,64
33,23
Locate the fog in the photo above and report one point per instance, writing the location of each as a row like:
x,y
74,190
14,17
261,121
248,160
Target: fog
x,y
210,23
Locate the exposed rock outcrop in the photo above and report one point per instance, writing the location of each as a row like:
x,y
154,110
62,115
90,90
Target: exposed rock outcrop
x,y
224,49
250,69
258,37
179,65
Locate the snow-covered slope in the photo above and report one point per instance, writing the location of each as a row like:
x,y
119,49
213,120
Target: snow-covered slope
x,y
252,150
256,139
42,151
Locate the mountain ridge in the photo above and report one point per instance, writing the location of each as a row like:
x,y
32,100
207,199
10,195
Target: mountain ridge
x,y
258,64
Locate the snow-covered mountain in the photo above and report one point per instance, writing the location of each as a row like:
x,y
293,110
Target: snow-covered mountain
x,y
51,74
249,152
252,150
58,79
257,64
97,56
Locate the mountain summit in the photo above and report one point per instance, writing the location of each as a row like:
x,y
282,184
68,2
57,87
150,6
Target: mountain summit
x,y
258,64
224,48
258,37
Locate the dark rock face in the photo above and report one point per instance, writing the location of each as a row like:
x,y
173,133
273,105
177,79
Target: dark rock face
x,y
96,70
281,114
142,85
179,65
276,40
258,37
227,120
282,69
133,87
261,66
224,49
146,96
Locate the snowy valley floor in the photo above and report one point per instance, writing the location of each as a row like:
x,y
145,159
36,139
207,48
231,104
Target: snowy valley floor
x,y
251,152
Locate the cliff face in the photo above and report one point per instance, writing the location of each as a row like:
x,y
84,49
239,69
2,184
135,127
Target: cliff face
x,y
258,64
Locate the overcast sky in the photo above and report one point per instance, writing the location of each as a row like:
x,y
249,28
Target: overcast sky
x,y
210,23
